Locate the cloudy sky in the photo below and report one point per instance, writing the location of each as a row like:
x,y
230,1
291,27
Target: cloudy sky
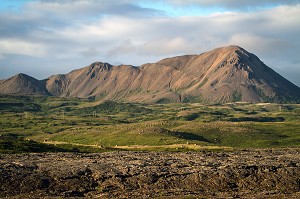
x,y
44,37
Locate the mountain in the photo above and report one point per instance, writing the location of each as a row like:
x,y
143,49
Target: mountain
x,y
22,84
224,74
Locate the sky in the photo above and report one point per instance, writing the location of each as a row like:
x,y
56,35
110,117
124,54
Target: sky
x,y
45,37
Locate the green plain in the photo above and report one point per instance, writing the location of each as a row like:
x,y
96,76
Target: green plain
x,y
50,124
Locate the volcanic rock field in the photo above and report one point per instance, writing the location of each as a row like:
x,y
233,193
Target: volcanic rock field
x,y
268,173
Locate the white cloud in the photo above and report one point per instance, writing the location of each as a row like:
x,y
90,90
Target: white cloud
x,y
112,32
90,52
15,46
233,4
126,47
165,46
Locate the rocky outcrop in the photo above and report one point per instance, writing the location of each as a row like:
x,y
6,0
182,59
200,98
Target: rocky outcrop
x,y
235,174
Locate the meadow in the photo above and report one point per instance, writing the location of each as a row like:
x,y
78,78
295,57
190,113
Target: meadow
x,y
43,124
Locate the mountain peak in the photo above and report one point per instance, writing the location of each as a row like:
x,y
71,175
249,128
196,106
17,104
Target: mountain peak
x,y
100,65
21,75
230,49
22,84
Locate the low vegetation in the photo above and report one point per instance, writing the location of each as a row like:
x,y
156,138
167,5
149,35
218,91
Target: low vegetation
x,y
40,124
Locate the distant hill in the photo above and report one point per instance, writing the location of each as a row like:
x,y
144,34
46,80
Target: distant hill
x,y
225,74
22,84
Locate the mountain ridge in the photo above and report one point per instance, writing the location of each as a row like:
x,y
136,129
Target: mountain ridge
x,y
224,74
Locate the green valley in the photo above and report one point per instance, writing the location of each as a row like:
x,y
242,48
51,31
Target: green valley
x,y
86,125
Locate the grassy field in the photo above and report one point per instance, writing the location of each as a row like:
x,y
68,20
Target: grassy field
x,y
42,124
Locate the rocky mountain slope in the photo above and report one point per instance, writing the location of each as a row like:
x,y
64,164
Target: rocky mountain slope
x,y
224,74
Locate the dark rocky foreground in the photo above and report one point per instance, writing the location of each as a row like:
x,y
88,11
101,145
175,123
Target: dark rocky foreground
x,y
236,174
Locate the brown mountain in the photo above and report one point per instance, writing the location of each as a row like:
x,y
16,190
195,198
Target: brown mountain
x,y
22,84
222,75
